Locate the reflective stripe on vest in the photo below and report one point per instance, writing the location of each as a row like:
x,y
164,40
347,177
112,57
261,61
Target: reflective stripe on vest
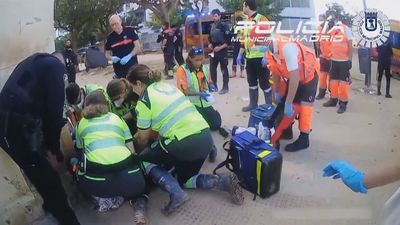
x,y
194,86
252,52
168,110
306,59
340,49
103,140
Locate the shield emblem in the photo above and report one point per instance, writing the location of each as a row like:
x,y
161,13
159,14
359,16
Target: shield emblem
x,y
371,21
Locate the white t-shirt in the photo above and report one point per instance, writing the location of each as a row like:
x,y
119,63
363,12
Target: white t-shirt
x,y
391,212
290,52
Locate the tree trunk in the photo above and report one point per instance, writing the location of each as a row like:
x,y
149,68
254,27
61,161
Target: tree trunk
x,y
74,39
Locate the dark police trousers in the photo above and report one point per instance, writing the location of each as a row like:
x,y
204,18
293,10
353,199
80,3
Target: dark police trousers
x,y
40,173
169,57
220,57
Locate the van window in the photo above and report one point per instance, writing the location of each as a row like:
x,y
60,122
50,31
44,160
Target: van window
x,y
205,26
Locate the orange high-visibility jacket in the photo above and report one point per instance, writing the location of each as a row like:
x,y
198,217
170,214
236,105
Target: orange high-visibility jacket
x,y
340,49
306,59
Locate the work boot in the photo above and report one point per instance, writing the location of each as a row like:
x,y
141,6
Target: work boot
x,y
268,96
227,182
332,102
378,88
253,95
321,94
139,210
177,197
213,154
342,107
287,134
300,144
388,88
223,91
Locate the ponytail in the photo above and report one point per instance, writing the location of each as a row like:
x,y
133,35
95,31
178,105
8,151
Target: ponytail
x,y
144,74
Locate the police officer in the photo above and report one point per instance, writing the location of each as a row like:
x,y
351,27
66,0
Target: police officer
x,y
167,39
219,39
122,47
71,61
164,109
31,118
256,75
178,45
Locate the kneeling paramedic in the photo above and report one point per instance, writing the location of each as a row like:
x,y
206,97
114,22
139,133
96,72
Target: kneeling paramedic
x,y
298,65
31,118
193,80
109,167
164,109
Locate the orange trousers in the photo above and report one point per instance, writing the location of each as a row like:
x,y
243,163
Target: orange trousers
x,y
339,89
323,80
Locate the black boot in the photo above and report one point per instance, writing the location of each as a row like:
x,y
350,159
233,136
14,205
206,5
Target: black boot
x,y
332,102
177,197
300,144
388,88
378,88
268,96
213,154
253,94
139,210
321,94
342,107
287,134
224,182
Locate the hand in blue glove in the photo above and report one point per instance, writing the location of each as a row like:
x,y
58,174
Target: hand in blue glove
x,y
126,59
264,62
239,59
212,87
115,59
277,98
353,178
204,95
288,109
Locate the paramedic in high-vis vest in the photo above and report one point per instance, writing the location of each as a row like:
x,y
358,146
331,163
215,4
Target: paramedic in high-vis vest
x,y
185,139
256,74
341,57
361,182
325,54
110,168
193,80
297,64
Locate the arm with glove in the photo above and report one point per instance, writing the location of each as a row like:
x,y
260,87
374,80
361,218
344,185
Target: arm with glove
x,y
361,182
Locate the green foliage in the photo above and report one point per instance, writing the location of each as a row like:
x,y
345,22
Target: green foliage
x,y
174,18
337,11
264,7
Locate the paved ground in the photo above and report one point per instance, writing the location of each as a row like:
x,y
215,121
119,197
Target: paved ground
x,y
366,135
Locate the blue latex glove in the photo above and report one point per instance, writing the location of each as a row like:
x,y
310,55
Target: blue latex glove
x,y
212,87
264,62
204,95
277,98
126,59
239,59
288,109
115,59
353,178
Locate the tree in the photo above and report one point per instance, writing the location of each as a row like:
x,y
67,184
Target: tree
x,y
160,8
337,11
84,17
267,8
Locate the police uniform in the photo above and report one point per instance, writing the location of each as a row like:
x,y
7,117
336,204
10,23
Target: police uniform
x,y
219,35
307,65
109,169
179,46
168,34
164,109
121,45
256,74
197,81
71,61
31,118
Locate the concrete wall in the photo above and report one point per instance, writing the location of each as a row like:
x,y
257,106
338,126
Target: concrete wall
x,y
26,27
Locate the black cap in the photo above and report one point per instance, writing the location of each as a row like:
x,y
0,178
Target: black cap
x,y
215,11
